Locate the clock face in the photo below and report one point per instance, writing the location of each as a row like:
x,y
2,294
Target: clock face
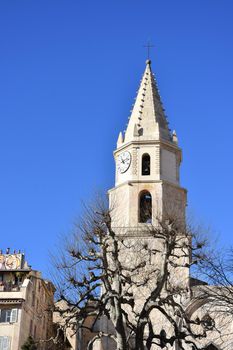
x,y
123,162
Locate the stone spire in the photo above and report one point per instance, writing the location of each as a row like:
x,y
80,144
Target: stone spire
x,y
147,120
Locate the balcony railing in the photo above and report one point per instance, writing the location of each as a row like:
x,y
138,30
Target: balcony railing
x,y
9,287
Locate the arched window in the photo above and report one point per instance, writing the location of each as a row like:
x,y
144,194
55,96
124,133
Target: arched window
x,y
146,164
145,207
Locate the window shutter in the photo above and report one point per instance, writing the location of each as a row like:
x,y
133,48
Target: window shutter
x,y
5,343
8,315
14,315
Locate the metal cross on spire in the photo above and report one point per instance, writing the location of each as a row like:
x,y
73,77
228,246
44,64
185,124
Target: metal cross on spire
x,y
148,46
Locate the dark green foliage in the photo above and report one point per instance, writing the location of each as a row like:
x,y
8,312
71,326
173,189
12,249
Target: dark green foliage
x,y
29,344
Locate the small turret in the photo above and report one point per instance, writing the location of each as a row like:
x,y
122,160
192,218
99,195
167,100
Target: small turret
x,y
174,137
120,139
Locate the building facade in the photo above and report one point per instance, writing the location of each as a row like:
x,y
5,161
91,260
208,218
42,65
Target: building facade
x,y
26,304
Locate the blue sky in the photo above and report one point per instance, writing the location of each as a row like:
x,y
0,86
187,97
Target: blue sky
x,y
69,71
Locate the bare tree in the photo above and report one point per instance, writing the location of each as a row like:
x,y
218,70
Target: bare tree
x,y
139,283
216,268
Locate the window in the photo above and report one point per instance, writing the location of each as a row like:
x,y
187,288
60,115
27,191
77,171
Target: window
x,y
145,207
33,298
146,164
5,343
31,326
8,316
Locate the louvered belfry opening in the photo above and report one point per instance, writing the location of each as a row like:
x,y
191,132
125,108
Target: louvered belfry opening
x,y
145,207
146,164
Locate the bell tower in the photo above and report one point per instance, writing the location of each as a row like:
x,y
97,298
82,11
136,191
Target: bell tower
x,y
147,158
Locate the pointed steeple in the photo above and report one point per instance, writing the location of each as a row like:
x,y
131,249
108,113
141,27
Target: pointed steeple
x,y
147,120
